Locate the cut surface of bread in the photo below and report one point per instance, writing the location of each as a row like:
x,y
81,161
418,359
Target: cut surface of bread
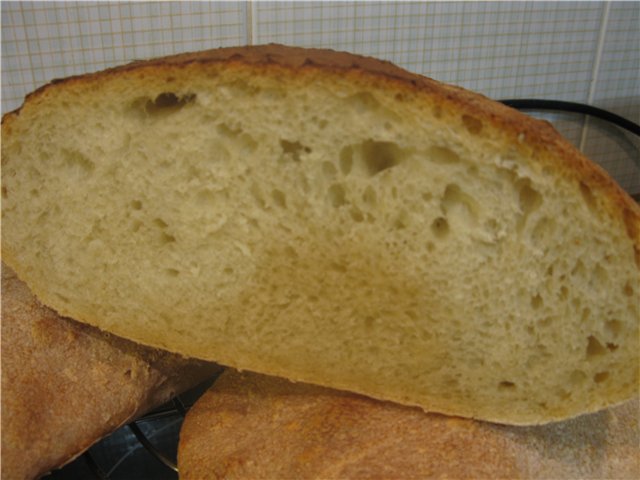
x,y
66,385
250,426
332,219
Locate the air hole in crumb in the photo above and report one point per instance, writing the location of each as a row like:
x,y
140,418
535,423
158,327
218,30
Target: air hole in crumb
x,y
544,228
628,290
369,196
164,104
440,227
546,321
127,374
329,170
77,164
442,155
578,269
380,156
577,377
529,201
158,222
362,102
257,195
172,272
322,123
587,195
293,150
612,347
536,302
357,215
43,217
600,377
279,198
402,221
459,205
506,385
600,275
337,195
594,347
248,143
564,293
5,193
253,223
529,198
368,322
613,327
346,160
228,270
205,198
135,225
229,132
168,102
136,205
338,267
166,238
472,124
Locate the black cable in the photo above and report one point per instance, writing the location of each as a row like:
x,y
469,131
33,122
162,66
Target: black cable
x,y
537,104
150,448
180,406
94,467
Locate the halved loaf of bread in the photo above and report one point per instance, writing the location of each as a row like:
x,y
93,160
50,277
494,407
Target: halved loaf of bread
x,y
332,219
250,426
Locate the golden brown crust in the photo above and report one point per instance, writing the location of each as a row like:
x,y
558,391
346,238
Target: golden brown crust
x,y
66,385
254,426
539,137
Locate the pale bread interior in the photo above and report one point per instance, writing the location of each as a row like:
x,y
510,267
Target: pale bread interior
x,y
327,230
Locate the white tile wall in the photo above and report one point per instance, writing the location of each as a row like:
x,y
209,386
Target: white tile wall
x,y
576,51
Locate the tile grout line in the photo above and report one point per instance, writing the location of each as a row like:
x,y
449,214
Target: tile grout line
x,y
596,68
33,78
251,21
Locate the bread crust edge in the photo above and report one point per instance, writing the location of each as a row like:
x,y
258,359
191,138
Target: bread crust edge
x,y
536,137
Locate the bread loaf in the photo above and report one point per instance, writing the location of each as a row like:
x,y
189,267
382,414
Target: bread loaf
x,y
250,426
332,219
66,385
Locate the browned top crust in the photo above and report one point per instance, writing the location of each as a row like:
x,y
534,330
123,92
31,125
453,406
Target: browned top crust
x,y
255,426
536,137
65,385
